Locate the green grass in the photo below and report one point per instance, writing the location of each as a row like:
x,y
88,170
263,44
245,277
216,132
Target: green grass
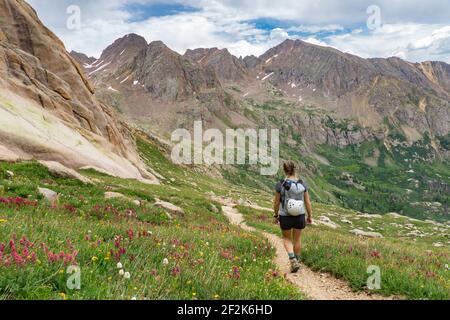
x,y
409,268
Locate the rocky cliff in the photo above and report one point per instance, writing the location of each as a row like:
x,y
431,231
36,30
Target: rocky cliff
x,y
47,106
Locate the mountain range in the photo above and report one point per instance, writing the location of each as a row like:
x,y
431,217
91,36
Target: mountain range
x,y
414,98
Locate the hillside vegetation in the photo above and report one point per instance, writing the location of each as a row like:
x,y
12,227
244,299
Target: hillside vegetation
x,y
191,255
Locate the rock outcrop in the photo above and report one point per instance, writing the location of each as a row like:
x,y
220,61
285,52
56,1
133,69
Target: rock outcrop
x,y
47,107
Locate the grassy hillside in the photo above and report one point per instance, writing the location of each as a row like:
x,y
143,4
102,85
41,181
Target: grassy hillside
x,y
195,255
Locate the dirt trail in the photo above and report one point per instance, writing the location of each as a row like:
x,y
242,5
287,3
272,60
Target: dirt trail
x,y
316,285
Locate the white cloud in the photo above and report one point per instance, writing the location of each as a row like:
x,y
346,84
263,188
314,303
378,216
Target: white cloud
x,y
413,42
412,29
316,28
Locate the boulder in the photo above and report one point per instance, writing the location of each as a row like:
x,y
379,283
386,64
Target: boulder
x,y
62,171
331,225
366,234
114,195
346,221
48,194
394,215
170,208
137,202
324,219
214,209
438,245
369,216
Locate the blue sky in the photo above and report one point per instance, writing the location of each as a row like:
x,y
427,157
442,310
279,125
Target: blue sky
x,y
411,29
143,11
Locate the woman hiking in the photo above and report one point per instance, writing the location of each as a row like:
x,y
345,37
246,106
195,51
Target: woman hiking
x,y
291,205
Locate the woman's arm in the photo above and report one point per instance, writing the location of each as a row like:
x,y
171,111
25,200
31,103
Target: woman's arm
x,y
276,204
308,207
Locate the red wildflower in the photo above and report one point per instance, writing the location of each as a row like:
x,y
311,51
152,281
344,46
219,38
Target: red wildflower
x,y
375,254
235,273
176,271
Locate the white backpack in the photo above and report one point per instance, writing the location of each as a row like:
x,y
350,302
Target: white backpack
x,y
294,203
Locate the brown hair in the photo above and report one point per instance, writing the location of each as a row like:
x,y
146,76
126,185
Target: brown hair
x,y
289,168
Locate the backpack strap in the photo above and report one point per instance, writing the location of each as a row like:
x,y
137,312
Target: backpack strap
x,y
283,192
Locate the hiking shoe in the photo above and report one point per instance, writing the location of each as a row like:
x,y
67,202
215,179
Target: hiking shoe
x,y
295,265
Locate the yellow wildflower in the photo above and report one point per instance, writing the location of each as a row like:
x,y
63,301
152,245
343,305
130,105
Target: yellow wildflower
x,y
94,258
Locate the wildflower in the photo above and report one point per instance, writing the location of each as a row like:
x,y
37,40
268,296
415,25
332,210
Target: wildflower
x,y
63,295
121,272
165,261
3,220
235,273
94,258
194,294
119,265
375,254
175,271
127,275
216,296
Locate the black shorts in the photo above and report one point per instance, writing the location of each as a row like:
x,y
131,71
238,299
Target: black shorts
x,y
289,222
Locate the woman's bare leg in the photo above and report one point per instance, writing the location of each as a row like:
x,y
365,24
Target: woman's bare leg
x,y
297,242
287,241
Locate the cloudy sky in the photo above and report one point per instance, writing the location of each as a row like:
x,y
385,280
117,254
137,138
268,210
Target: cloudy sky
x,y
414,30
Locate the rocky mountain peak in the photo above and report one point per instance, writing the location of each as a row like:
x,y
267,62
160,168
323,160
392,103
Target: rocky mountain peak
x,y
226,66
167,75
121,52
82,58
130,42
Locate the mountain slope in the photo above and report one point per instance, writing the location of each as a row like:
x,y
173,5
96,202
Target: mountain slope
x,y
47,105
